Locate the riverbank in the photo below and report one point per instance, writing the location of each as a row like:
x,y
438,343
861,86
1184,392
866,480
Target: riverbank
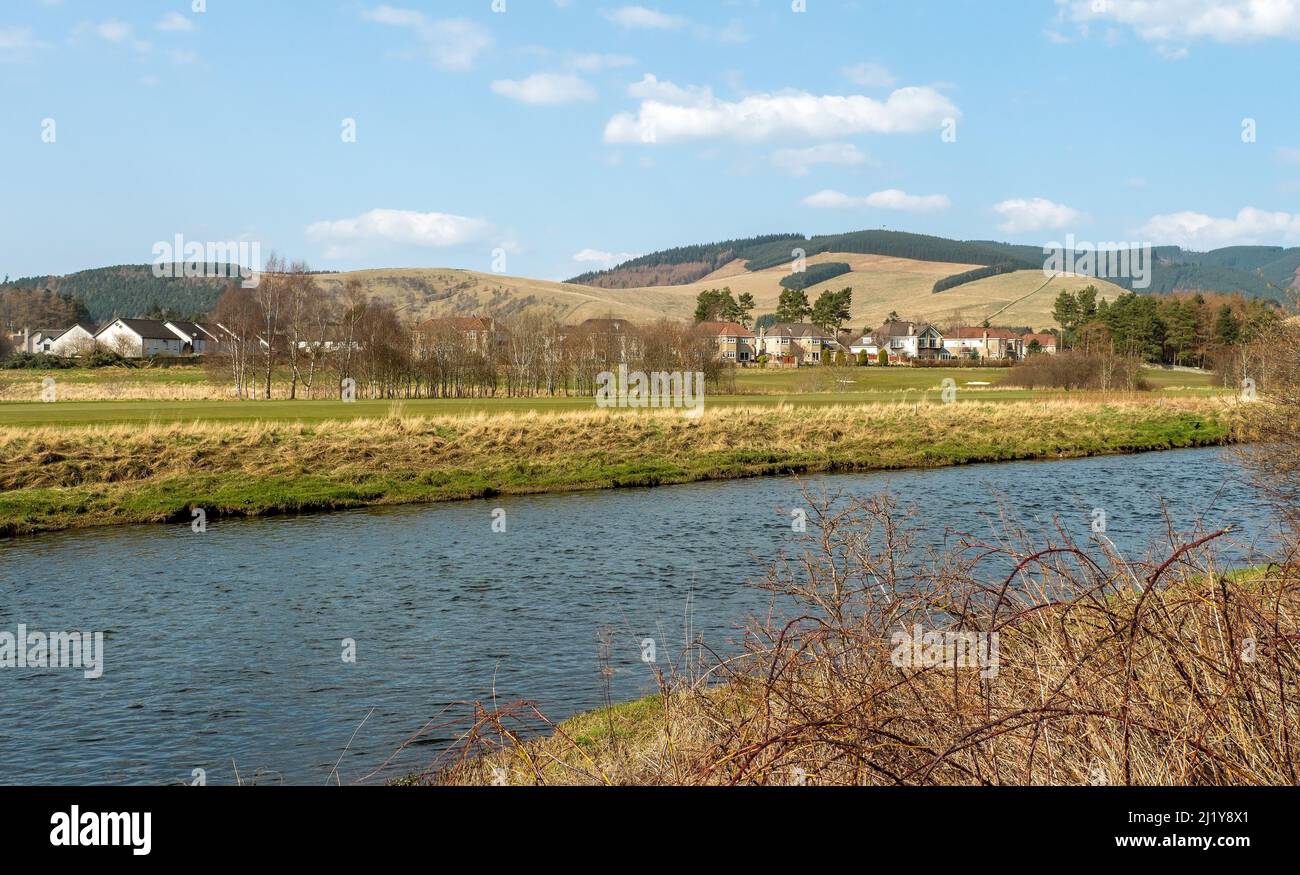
x,y
71,477
1069,702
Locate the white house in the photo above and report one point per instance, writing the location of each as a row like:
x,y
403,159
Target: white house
x,y
984,343
139,338
1047,342
790,344
199,339
76,340
903,340
40,340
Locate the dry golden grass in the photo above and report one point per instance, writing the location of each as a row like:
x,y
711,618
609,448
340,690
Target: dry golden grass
x,y
100,475
882,435
123,390
880,285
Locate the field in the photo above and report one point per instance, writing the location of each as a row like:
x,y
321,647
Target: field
x,y
880,285
183,394
149,470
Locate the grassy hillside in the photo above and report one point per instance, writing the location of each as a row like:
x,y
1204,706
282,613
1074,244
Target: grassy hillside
x,y
682,264
1255,271
880,285
887,265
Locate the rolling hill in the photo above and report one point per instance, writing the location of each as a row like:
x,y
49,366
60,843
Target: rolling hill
x,y
917,276
881,285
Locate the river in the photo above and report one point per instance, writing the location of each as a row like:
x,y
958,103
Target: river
x,y
225,649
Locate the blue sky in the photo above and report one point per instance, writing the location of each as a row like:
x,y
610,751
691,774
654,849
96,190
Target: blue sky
x,y
565,133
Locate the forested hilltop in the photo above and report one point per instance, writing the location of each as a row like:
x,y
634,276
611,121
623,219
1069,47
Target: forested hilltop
x,y
100,294
1255,271
681,265
123,290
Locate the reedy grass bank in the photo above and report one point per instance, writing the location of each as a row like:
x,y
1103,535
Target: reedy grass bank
x,y
1163,671
59,478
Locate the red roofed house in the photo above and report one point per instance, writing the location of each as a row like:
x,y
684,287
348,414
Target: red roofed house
x,y
735,341
480,333
984,343
1046,343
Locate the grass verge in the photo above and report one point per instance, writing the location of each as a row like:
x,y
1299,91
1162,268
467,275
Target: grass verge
x,y
59,478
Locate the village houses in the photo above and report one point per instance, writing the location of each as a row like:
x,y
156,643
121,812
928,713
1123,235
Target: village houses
x,y
782,345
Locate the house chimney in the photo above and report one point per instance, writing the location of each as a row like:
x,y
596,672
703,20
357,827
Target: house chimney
x,y
911,329
27,343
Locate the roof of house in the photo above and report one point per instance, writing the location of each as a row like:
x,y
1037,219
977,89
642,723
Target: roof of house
x,y
152,329
87,327
191,329
900,328
1043,339
796,329
724,329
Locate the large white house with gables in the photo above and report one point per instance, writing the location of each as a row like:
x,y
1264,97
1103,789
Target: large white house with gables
x,y
902,340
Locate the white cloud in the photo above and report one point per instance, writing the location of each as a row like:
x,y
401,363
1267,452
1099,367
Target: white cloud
x,y
733,32
113,31
641,18
601,259
453,44
1172,21
595,62
1199,231
1035,214
18,43
651,88
644,18
889,199
545,89
869,75
402,227
798,162
669,113
176,23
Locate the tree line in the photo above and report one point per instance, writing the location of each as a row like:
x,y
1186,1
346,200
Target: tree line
x,y
1181,329
292,336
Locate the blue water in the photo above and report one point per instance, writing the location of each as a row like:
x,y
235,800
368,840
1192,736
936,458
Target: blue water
x,y
223,649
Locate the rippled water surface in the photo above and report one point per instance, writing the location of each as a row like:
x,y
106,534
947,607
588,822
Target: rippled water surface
x,y
223,649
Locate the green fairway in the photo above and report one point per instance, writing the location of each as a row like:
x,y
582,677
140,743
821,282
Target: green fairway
x,y
852,380
188,375
75,413
808,387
